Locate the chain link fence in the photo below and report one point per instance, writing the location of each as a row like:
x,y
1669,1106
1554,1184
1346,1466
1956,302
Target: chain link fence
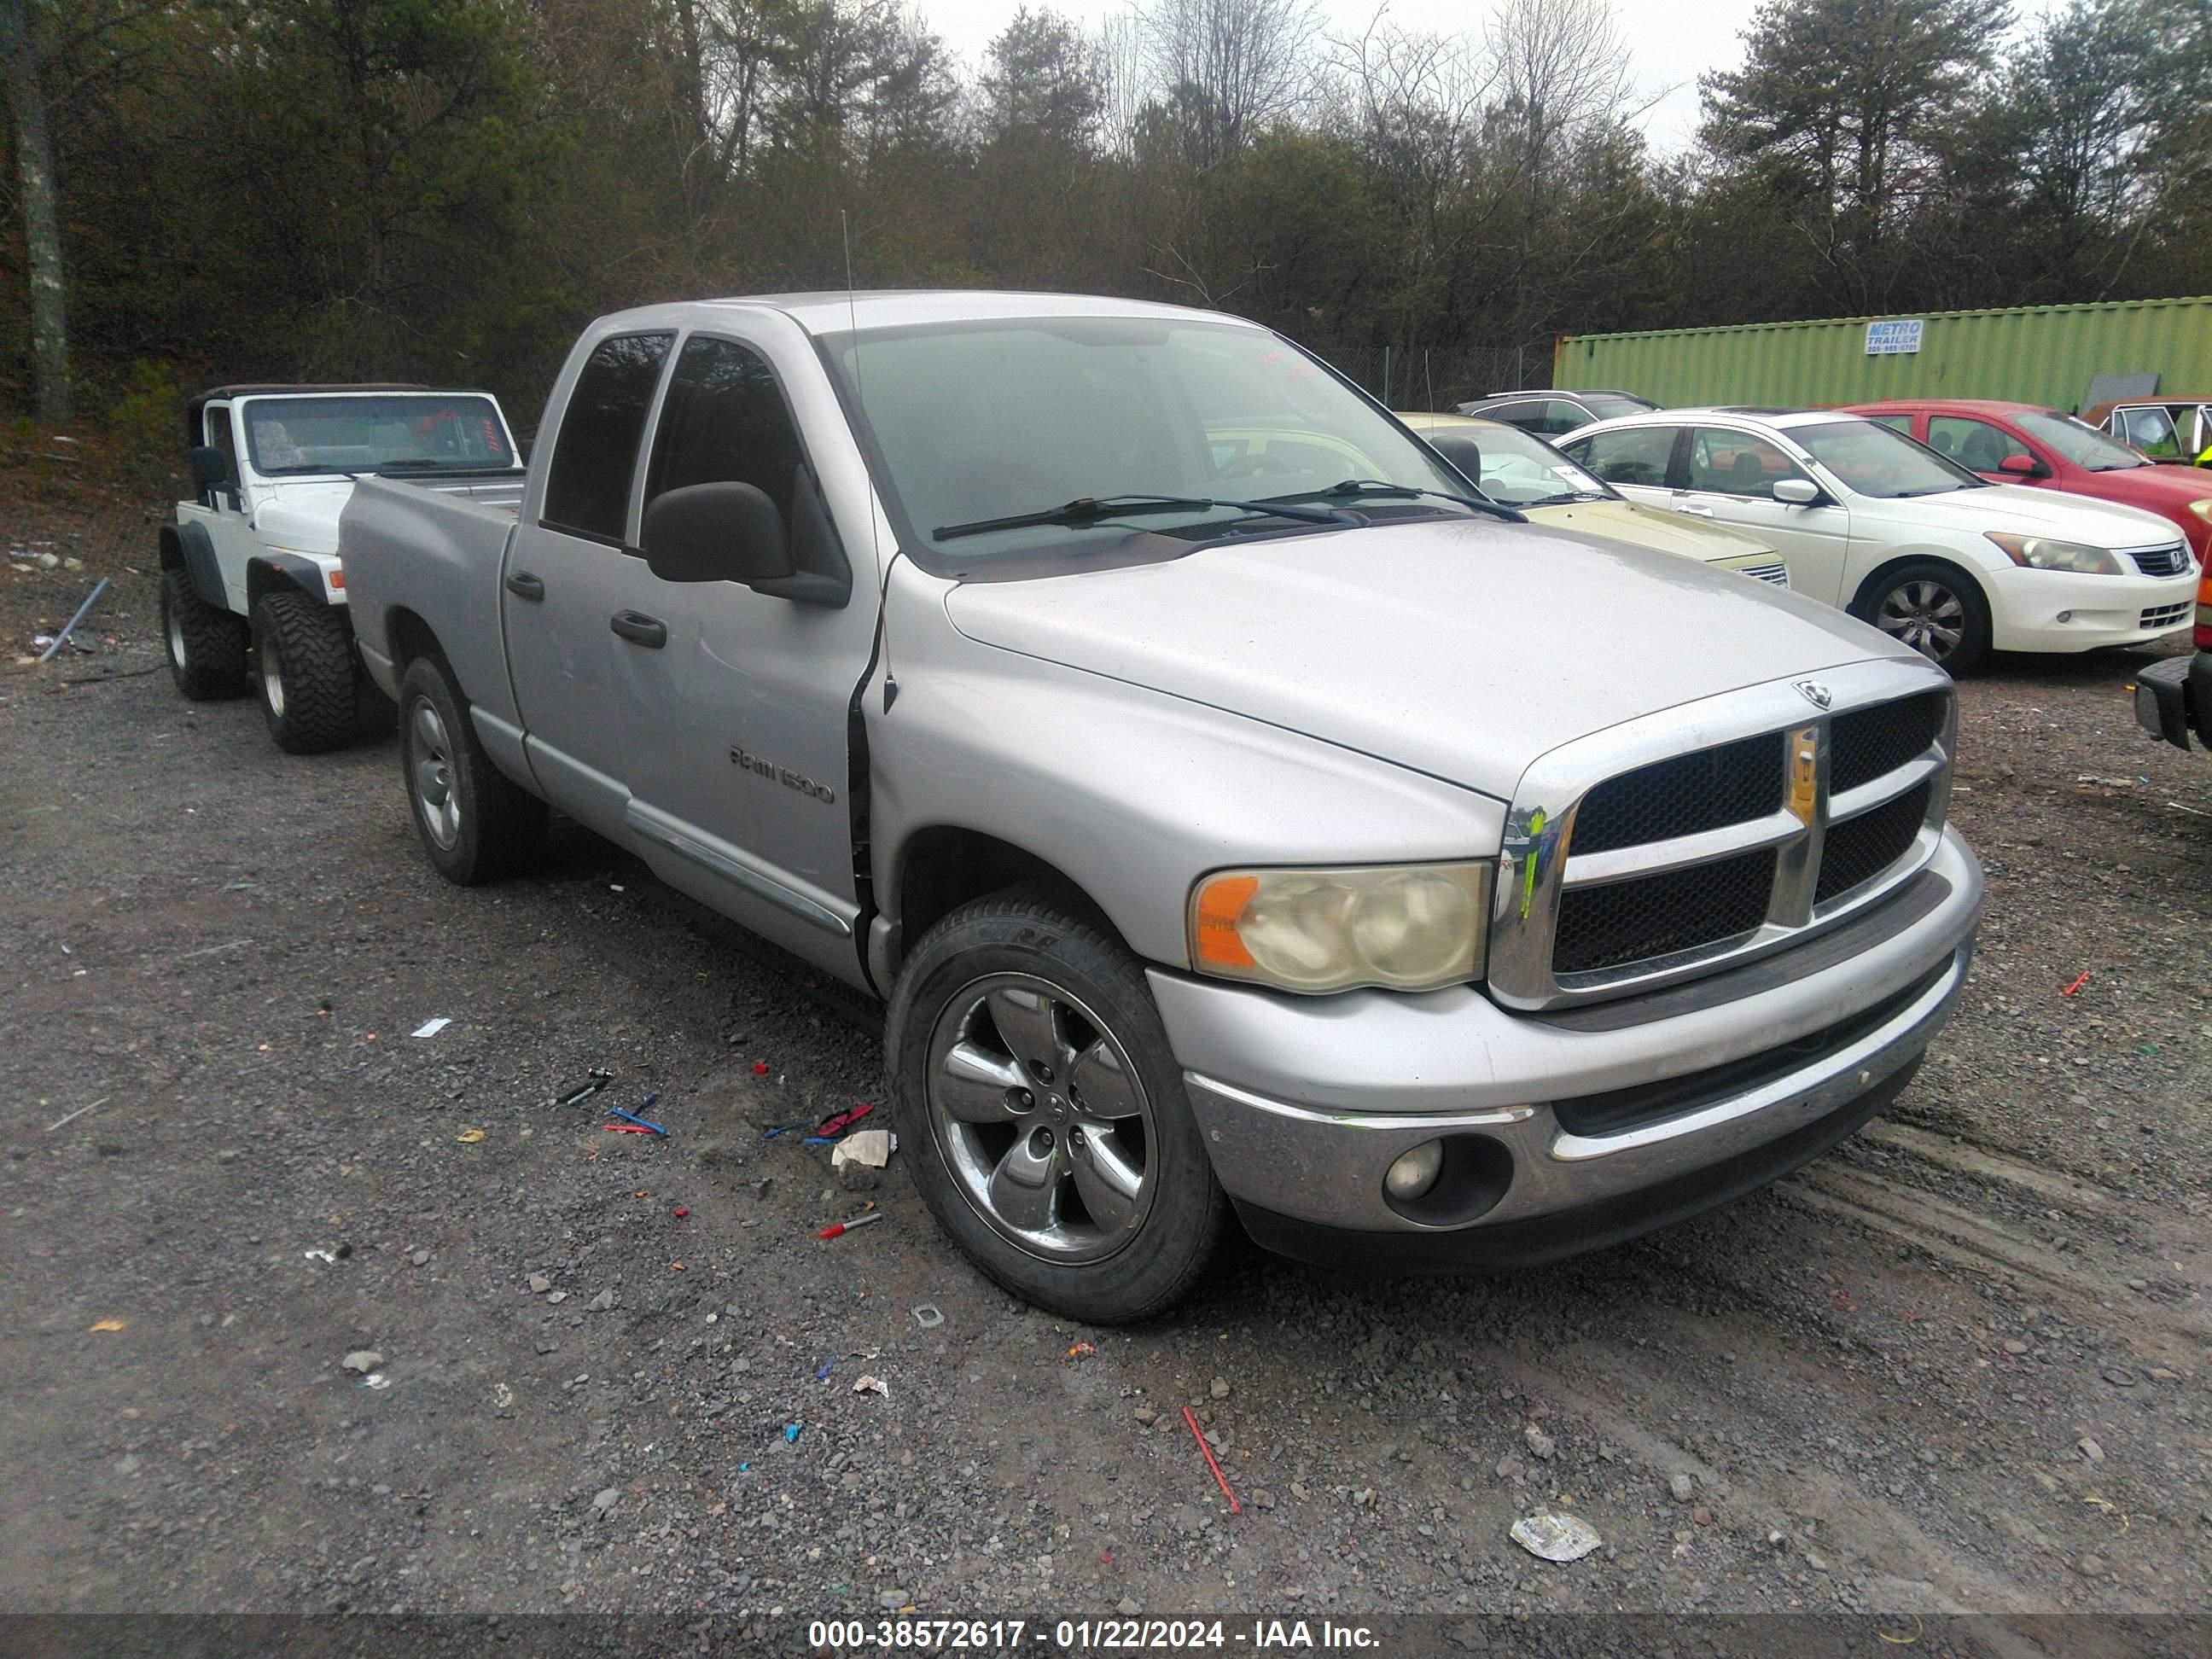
x,y
1436,377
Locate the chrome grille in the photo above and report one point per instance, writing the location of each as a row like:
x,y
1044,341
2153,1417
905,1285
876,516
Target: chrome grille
x,y
1777,574
2170,561
2165,616
1627,867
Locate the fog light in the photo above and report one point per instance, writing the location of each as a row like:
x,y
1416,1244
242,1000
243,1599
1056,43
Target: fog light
x,y
2066,616
1416,1171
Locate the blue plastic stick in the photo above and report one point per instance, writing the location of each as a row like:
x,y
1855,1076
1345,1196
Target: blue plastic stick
x,y
632,1117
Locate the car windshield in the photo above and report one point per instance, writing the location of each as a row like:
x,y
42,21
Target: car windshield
x,y
416,432
982,421
1611,405
1523,471
1879,461
2081,444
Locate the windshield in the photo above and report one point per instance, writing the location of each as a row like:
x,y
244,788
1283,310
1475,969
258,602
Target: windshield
x,y
977,421
1879,461
2082,445
439,431
1520,469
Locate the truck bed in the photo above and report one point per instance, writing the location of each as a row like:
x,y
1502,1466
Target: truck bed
x,y
433,547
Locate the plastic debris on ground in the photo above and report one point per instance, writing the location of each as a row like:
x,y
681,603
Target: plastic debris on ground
x,y
319,1255
1081,1351
775,1129
790,1433
376,1380
470,1137
2080,980
576,1094
927,1316
1552,1537
823,1375
430,1028
644,1123
840,1229
836,1123
873,1385
760,1068
869,1147
1207,1452
108,1324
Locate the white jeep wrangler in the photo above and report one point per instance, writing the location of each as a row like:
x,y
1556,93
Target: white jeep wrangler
x,y
251,581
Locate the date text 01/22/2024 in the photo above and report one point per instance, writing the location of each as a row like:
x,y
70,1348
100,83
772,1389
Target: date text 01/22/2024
x,y
1082,1635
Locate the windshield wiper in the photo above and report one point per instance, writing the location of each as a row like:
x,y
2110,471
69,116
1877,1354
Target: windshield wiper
x,y
1087,510
1360,488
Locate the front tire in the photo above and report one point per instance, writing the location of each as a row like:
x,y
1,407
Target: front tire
x,y
1935,609
205,645
475,822
305,654
1045,1116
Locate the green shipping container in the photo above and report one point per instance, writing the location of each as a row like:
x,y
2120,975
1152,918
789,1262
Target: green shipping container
x,y
2035,354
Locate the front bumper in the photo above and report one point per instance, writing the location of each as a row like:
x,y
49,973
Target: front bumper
x,y
2172,696
1569,1130
2027,607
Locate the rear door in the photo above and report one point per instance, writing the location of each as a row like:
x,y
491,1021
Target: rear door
x,y
1728,476
572,576
743,783
1636,460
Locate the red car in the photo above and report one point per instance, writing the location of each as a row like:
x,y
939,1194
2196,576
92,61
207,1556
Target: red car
x,y
2025,444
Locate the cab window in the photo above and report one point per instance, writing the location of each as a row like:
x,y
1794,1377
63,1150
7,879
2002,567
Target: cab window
x,y
2152,431
587,488
1975,445
219,436
1726,463
1634,455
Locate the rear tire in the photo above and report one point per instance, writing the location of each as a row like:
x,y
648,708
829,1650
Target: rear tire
x,y
1934,607
1043,1113
205,645
304,651
475,822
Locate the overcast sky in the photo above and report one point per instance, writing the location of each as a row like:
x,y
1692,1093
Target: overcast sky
x,y
1669,43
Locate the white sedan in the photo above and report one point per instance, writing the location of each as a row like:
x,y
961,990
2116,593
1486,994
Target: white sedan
x,y
1868,519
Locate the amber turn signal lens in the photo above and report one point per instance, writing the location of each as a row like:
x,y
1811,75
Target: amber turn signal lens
x,y
1220,902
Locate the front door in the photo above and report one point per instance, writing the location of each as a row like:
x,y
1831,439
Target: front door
x,y
229,511
1729,476
741,795
570,575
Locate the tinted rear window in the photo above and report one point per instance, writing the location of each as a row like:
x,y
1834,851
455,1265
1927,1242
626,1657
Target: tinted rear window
x,y
1611,405
588,490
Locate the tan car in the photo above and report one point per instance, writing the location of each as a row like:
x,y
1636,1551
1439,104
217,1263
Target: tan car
x,y
1519,469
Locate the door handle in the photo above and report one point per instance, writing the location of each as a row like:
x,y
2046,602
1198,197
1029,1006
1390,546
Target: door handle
x,y
1702,512
523,586
640,629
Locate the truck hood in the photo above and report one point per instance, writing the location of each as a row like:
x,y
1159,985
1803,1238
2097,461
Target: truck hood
x,y
1463,649
304,516
2029,512
1649,527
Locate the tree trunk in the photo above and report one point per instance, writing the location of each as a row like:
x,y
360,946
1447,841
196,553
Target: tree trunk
x,y
42,234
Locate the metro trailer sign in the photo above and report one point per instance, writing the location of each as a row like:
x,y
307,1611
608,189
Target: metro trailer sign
x,y
1895,338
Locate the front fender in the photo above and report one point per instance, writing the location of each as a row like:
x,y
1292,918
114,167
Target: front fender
x,y
265,571
1132,794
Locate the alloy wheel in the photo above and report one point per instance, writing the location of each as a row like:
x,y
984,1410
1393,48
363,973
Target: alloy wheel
x,y
1041,1118
431,767
1925,615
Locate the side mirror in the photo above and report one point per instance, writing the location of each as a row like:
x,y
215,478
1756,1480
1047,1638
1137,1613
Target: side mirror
x,y
1797,492
210,469
714,532
1462,451
2025,466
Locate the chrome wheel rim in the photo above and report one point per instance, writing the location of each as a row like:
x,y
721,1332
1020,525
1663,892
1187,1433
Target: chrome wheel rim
x,y
1926,616
1041,1119
272,679
430,765
176,630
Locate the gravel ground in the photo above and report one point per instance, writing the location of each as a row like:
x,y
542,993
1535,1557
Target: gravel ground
x,y
1957,1365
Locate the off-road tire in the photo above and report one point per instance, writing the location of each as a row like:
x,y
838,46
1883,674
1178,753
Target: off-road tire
x,y
1045,933
497,825
205,644
303,651
1972,647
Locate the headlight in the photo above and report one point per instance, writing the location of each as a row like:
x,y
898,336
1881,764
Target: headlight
x,y
1412,928
2042,553
2202,509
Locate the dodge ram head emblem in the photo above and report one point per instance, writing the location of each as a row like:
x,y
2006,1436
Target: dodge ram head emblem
x,y
1815,693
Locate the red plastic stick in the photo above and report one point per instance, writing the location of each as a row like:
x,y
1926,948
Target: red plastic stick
x,y
2077,984
1207,1452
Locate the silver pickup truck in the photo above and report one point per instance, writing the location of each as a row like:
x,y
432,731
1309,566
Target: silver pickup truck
x,y
1234,808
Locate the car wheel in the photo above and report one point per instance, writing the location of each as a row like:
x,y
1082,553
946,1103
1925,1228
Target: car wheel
x,y
304,653
1935,609
475,822
205,645
1043,1113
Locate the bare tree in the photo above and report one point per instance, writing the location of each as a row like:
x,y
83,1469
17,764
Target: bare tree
x,y
1227,68
42,234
